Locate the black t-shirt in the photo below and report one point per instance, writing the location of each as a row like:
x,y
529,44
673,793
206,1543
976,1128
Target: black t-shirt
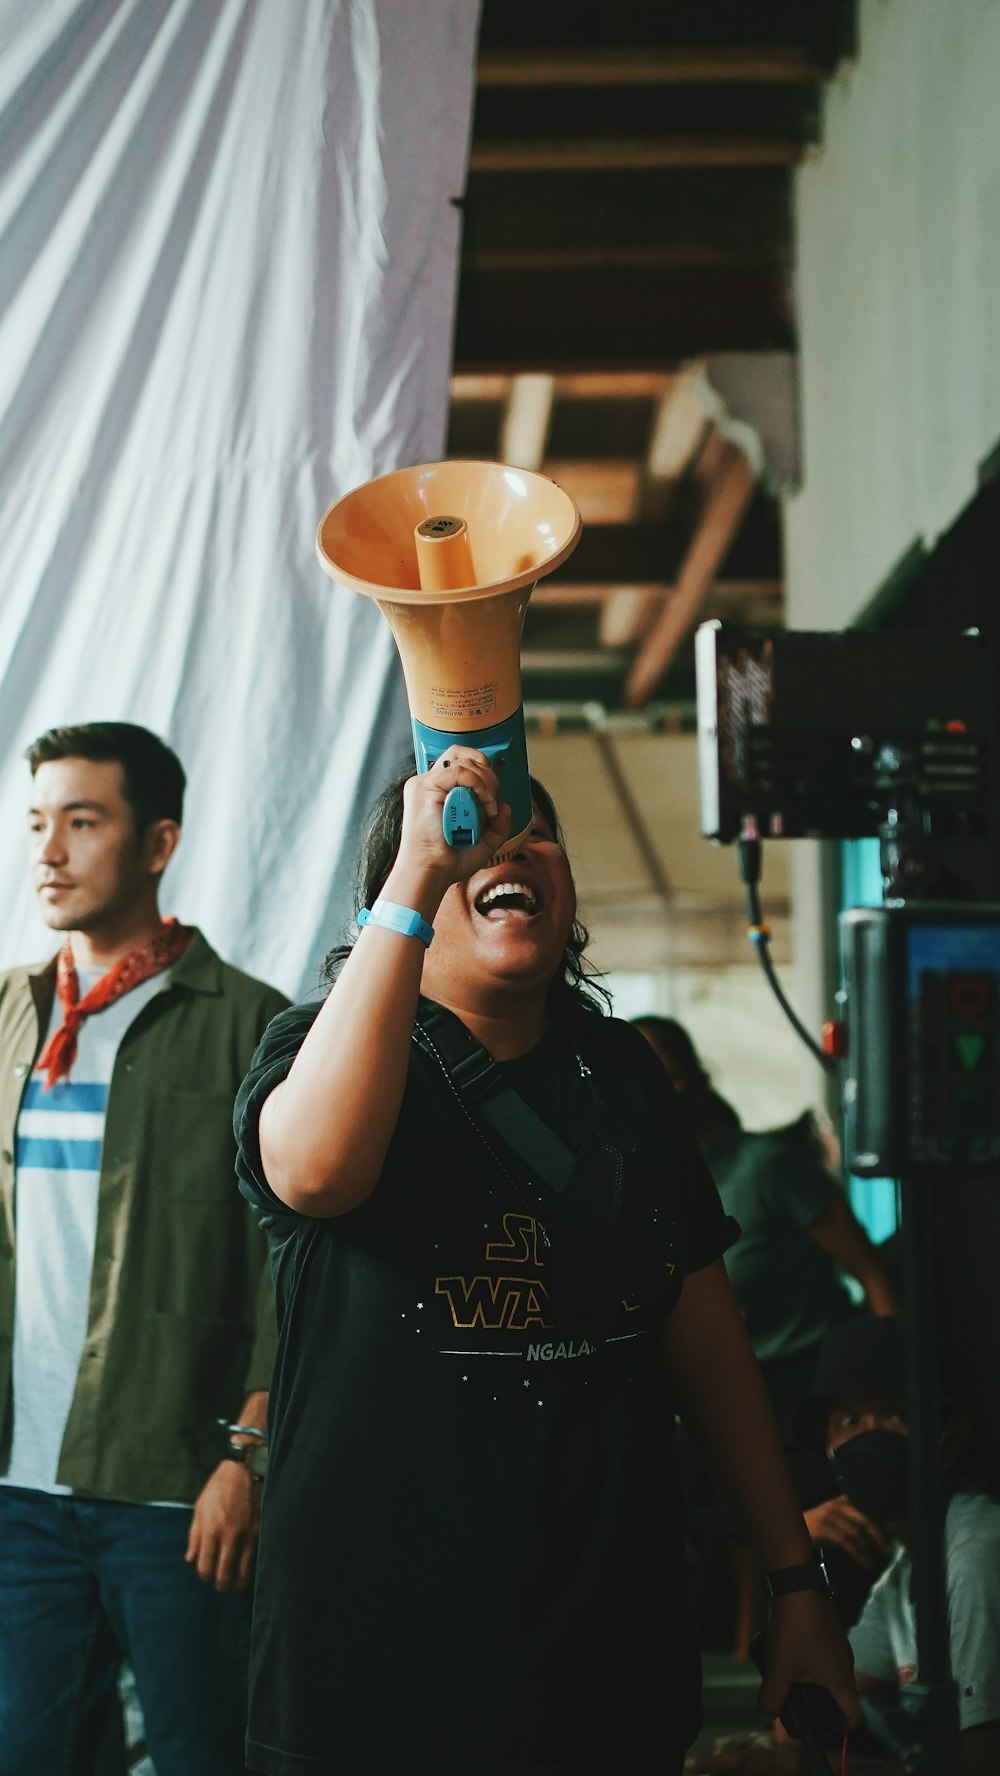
x,y
787,1287
470,1555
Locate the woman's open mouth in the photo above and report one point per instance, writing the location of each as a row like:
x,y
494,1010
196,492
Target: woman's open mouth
x,y
507,900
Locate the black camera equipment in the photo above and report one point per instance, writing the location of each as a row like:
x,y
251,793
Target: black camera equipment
x,y
865,734
817,735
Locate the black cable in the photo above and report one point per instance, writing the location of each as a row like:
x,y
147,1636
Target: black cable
x,y
748,857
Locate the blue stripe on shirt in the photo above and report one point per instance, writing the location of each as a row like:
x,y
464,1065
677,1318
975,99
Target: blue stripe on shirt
x,y
53,1155
64,1096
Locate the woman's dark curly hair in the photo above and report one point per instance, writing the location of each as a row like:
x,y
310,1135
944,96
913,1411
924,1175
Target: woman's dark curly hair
x,y
574,988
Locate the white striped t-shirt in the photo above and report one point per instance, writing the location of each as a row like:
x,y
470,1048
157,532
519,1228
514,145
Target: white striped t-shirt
x,y
57,1171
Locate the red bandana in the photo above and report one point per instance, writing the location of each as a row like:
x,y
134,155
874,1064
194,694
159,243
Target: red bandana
x,y
139,965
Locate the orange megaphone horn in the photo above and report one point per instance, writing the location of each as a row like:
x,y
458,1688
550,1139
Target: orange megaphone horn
x,y
450,552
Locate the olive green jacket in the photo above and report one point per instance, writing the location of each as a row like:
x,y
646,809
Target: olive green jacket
x,y
181,1320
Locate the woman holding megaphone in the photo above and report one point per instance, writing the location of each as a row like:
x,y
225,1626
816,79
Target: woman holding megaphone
x,y
497,1255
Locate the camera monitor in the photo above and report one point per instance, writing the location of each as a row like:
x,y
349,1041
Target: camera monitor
x,y
814,734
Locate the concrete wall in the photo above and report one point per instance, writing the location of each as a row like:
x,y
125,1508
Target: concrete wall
x,y
898,300
898,307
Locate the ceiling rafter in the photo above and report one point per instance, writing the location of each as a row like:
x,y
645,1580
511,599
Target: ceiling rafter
x,y
781,65
526,420
597,154
569,594
625,615
729,481
624,293
624,288
678,433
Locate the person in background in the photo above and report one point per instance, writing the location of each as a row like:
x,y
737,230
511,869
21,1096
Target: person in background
x,y
854,1418
136,1308
859,1385
867,1439
498,1268
798,1230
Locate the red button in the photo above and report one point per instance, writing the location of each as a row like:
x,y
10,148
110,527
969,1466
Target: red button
x,y
969,995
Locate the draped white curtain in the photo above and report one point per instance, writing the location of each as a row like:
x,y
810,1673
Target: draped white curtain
x,y
228,258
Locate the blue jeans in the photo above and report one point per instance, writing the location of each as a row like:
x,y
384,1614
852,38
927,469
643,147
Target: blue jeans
x,y
85,1582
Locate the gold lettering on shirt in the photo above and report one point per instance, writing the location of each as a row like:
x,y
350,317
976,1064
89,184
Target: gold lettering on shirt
x,y
510,1303
494,1302
521,1244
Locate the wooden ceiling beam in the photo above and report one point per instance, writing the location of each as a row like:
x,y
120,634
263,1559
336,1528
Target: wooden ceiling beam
x,y
610,385
583,595
730,483
558,662
491,386
678,433
605,490
708,65
526,421
618,154
625,616
591,257
589,385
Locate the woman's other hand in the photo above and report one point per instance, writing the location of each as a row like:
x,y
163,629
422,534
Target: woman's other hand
x,y
806,1643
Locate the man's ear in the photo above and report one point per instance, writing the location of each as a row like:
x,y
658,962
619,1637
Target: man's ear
x,y
161,841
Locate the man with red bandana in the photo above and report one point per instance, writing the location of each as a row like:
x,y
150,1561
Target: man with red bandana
x,y
135,1304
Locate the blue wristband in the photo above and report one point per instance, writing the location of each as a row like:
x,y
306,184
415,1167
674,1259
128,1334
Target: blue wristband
x,y
397,918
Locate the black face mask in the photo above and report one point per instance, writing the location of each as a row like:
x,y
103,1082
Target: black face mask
x,y
875,1469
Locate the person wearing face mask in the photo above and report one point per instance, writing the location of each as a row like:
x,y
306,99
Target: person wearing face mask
x,y
859,1386
858,1402
851,1443
497,1255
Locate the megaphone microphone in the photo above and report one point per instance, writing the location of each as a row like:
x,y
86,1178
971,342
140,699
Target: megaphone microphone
x,y
450,552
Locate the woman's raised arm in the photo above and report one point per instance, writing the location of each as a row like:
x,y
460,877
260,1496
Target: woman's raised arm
x,y
325,1130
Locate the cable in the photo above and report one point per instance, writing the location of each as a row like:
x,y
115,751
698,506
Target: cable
x,y
759,933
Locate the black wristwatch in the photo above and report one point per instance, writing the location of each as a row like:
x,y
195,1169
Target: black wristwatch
x,y
252,1456
812,1575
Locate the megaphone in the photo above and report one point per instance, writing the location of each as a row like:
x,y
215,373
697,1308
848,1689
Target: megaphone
x,y
450,552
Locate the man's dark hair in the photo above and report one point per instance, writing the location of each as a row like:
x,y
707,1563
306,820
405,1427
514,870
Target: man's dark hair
x,y
152,776
574,988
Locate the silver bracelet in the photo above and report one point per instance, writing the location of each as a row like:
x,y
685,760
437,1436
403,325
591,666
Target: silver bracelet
x,y
242,1430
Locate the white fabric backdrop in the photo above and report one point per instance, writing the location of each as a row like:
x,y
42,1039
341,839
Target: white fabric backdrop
x,y
228,258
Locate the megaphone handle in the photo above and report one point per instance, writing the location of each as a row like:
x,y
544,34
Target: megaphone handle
x,y
462,814
462,818
504,745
